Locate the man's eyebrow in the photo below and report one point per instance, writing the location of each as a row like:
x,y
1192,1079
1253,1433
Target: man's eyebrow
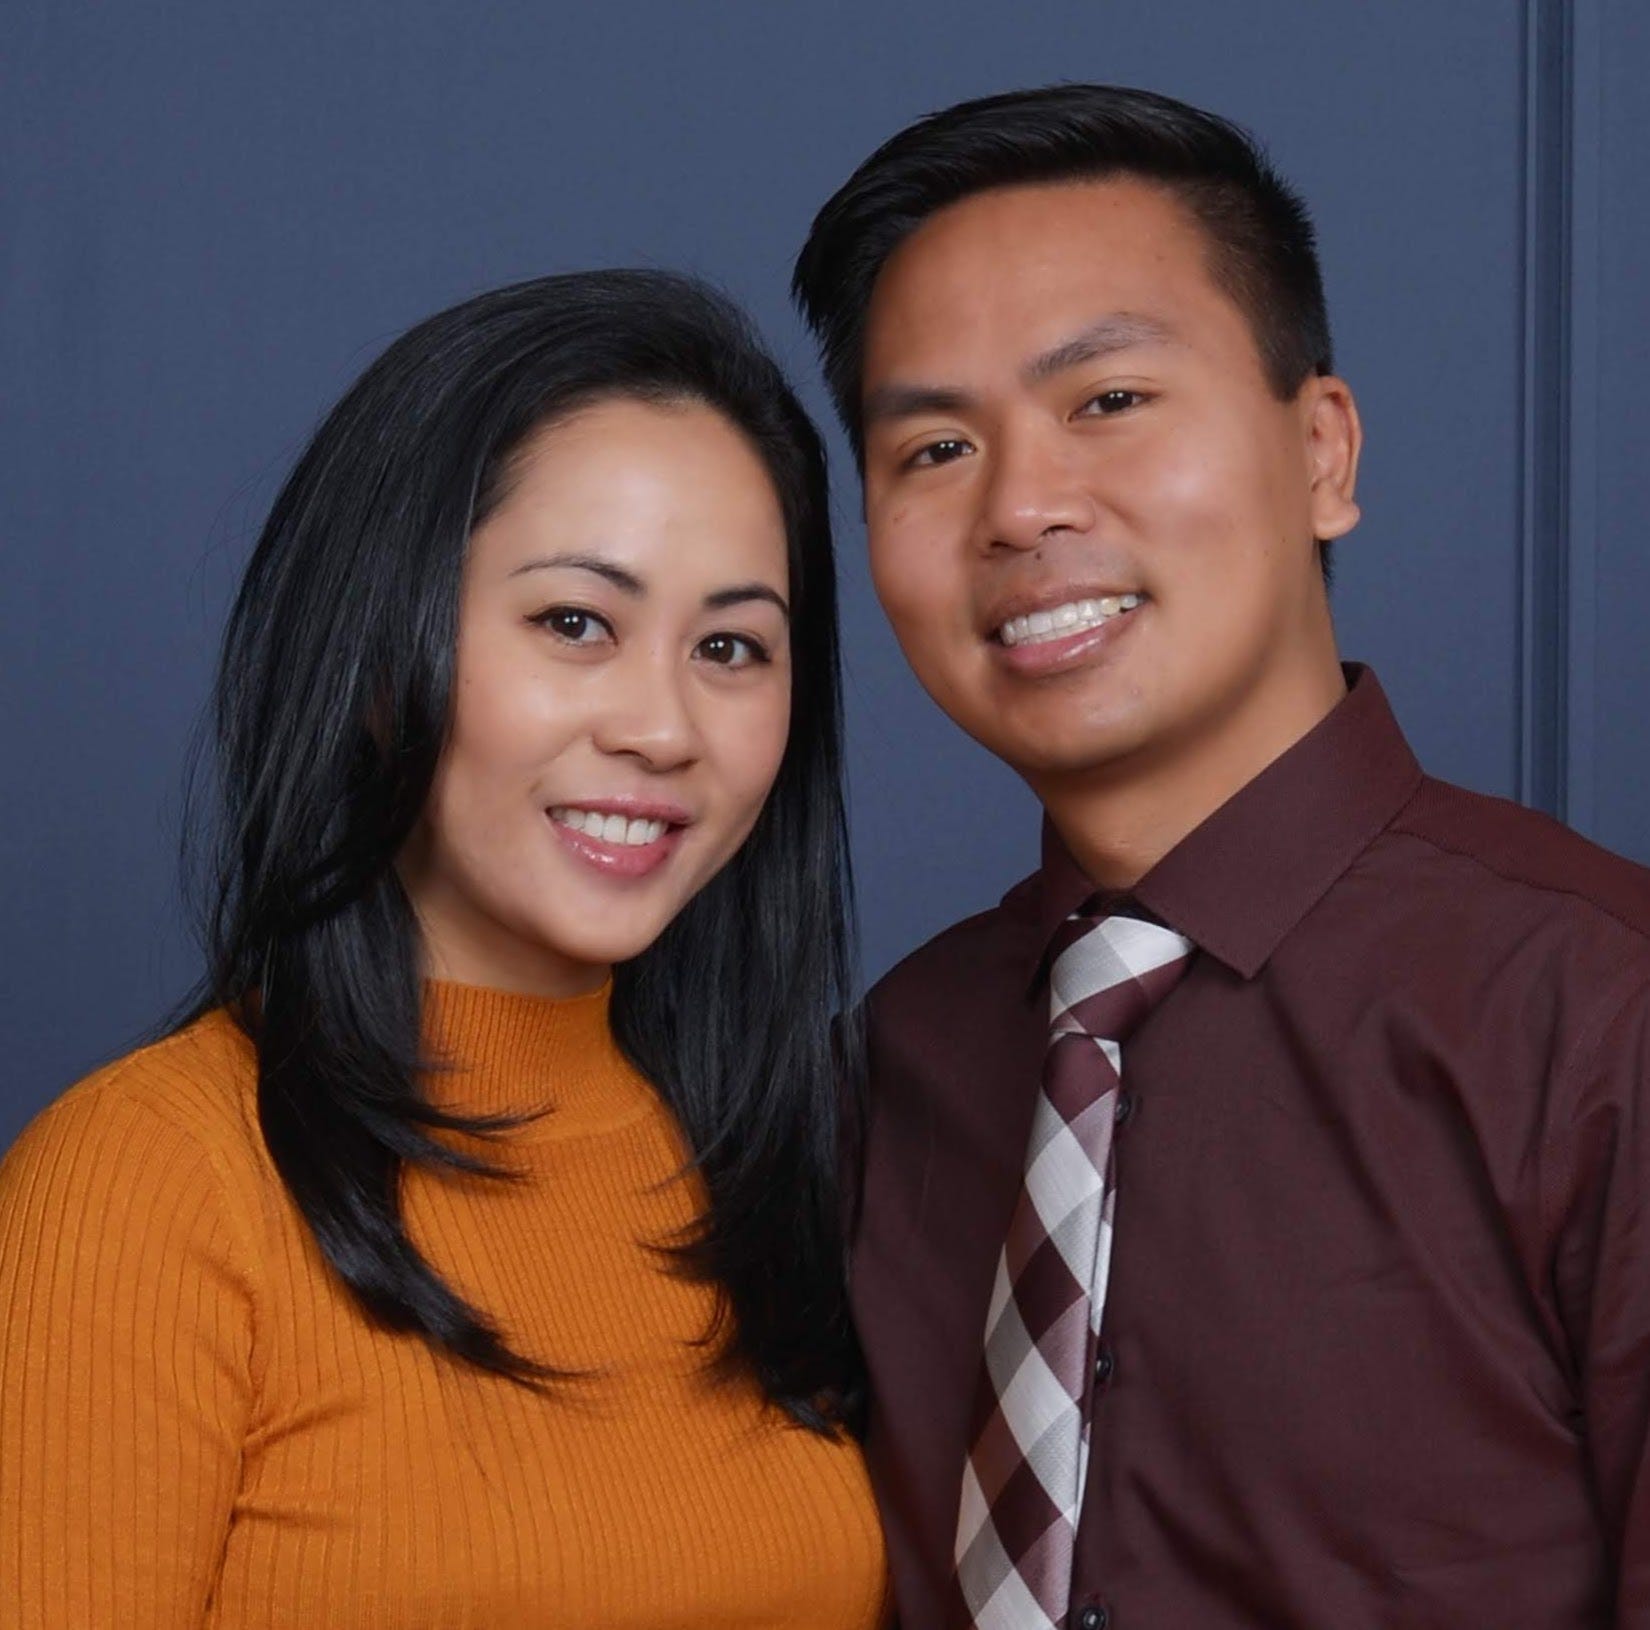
x,y
627,582
1117,331
908,401
742,594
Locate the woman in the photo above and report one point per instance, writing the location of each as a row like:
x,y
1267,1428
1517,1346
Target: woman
x,y
472,1257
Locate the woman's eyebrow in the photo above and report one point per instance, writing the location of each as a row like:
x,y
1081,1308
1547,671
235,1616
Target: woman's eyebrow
x,y
627,582
742,594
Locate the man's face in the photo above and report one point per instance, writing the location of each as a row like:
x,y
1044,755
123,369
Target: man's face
x,y
1092,522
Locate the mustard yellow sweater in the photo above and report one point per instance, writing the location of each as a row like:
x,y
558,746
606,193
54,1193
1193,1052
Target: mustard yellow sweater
x,y
199,1428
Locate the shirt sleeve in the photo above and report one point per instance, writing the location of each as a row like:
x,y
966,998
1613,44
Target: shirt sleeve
x,y
1603,1264
125,1346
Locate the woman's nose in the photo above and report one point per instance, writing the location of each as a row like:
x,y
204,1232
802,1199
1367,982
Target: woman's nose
x,y
649,716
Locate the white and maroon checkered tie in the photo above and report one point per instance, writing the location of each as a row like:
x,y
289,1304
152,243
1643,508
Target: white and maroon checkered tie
x,y
1023,1485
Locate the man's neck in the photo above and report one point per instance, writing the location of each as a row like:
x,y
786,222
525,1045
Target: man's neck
x,y
1119,819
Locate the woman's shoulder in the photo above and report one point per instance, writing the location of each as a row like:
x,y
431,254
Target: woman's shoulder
x,y
191,1095
129,1233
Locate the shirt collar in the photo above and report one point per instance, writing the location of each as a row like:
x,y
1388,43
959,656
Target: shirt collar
x,y
1239,882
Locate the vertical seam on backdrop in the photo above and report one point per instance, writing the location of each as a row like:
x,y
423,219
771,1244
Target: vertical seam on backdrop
x,y
1543,612
1584,226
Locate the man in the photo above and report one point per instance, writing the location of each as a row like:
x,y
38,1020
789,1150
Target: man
x,y
1256,1228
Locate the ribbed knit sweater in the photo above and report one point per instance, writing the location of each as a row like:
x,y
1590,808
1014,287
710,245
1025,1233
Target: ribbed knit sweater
x,y
198,1426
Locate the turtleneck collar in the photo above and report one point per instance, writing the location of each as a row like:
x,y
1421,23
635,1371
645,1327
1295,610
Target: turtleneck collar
x,y
519,1054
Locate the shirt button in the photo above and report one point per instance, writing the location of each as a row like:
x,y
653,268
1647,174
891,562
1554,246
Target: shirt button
x,y
1126,1105
1104,1364
1093,1617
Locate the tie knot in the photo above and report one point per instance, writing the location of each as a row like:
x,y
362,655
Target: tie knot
x,y
1107,974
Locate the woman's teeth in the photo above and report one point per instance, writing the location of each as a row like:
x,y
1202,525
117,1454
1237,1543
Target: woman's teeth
x,y
1072,618
610,828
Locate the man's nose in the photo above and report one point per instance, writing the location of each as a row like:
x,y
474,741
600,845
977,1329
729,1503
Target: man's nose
x,y
648,715
1034,487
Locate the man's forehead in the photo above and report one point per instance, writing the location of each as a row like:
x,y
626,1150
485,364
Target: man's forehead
x,y
1033,226
993,250
1039,278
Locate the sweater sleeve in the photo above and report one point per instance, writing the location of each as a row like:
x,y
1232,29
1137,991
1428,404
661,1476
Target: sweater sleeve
x,y
125,1366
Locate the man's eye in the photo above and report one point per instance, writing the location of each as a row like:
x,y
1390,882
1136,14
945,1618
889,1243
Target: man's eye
x,y
731,650
1110,402
938,452
575,626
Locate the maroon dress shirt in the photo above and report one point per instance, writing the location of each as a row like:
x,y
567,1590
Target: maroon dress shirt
x,y
1376,1348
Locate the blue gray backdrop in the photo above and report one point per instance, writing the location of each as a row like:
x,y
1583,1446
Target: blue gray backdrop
x,y
214,215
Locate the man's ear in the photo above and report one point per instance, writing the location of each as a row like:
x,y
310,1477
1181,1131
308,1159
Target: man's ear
x,y
1334,439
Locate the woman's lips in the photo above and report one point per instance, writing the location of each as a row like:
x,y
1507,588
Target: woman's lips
x,y
615,858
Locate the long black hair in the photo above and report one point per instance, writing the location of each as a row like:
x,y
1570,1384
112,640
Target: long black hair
x,y
331,711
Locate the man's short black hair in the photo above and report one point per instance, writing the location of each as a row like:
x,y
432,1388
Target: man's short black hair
x,y
1261,243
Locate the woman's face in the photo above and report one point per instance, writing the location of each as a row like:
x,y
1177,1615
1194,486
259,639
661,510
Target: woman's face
x,y
622,697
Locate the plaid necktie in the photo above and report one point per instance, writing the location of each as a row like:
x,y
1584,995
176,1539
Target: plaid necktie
x,y
1023,1485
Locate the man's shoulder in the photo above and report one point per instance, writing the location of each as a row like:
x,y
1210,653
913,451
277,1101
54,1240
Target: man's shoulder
x,y
1501,851
978,954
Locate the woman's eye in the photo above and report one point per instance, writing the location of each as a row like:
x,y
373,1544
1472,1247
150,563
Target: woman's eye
x,y
731,650
575,626
938,452
1110,402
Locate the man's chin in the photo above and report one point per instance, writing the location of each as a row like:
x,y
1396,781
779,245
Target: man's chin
x,y
1043,758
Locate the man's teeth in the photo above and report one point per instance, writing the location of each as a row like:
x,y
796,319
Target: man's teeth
x,y
610,828
1060,621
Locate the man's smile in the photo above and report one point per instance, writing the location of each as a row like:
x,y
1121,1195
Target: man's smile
x,y
1069,617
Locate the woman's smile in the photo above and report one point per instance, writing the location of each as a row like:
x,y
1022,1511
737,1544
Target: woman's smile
x,y
620,838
